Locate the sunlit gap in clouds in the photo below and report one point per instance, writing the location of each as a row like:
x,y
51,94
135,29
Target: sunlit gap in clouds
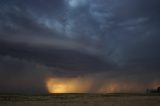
x,y
68,85
90,85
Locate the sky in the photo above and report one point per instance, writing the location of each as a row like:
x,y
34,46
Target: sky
x,y
79,46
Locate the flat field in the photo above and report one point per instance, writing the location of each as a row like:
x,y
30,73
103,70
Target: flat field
x,y
81,100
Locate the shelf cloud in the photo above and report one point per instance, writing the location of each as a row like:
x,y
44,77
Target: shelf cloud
x,y
108,42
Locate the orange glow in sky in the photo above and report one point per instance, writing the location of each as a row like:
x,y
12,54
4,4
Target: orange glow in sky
x,y
86,85
68,85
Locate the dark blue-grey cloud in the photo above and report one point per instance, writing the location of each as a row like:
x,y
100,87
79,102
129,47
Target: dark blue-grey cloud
x,y
79,37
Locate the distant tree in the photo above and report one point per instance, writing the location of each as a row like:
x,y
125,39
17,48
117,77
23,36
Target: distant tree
x,y
158,89
153,91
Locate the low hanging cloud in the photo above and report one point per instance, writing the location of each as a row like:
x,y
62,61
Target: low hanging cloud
x,y
111,43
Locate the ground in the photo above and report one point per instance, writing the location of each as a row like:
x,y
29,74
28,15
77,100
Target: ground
x,y
81,100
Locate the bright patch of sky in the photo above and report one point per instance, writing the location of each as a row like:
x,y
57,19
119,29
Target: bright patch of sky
x,y
76,3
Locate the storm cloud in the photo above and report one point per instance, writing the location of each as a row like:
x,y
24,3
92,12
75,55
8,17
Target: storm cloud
x,y
105,40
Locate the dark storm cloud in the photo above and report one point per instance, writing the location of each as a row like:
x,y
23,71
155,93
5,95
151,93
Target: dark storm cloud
x,y
18,39
143,52
21,76
76,37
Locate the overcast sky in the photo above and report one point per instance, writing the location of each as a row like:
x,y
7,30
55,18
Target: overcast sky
x,y
104,40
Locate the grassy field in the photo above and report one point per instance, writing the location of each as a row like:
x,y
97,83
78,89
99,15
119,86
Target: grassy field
x,y
81,100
